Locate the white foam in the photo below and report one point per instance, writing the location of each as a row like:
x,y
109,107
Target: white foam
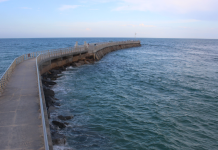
x,y
61,148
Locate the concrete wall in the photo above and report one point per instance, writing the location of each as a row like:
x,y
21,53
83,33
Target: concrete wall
x,y
101,53
62,61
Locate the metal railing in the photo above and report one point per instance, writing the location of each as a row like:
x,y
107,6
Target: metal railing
x,y
48,54
6,75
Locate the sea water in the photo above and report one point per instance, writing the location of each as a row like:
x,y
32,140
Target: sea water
x,y
162,95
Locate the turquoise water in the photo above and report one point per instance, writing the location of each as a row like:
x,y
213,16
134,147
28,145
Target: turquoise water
x,y
162,95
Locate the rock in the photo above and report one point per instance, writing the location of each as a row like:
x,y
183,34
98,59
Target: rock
x,y
53,76
77,64
65,117
81,62
73,64
49,92
48,113
52,128
47,82
54,71
58,139
86,62
59,124
57,104
49,101
51,109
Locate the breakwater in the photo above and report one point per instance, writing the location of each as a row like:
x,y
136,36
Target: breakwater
x,y
28,116
50,71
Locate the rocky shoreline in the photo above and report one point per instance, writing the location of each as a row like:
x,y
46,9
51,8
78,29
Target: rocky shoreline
x,y
48,81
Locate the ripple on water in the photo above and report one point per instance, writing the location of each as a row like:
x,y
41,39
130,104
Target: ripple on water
x,y
162,95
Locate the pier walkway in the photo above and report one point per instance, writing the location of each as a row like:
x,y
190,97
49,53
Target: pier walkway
x,y
20,122
23,123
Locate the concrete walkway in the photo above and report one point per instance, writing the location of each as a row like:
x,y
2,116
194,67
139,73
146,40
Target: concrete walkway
x,y
20,122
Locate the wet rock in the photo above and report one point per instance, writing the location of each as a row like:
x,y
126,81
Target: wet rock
x,y
81,62
86,62
63,68
55,71
73,64
47,82
49,92
65,117
58,139
57,104
48,113
59,124
77,64
51,109
52,129
49,101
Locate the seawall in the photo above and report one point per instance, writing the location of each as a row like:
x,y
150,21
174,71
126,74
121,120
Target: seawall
x,y
89,56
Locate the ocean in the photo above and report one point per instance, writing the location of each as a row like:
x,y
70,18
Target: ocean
x,y
162,95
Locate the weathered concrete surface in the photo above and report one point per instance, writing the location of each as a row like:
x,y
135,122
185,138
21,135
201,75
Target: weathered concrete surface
x,y
20,122
101,53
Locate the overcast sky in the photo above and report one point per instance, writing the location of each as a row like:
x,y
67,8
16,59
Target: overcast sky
x,y
109,18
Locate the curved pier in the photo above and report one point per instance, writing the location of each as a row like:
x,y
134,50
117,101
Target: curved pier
x,y
23,115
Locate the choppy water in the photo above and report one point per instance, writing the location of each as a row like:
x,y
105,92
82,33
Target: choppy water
x,y
163,95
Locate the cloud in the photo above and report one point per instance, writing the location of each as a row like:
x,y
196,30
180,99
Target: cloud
x,y
179,6
25,8
66,7
3,0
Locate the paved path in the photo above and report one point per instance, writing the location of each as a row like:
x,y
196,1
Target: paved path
x,y
20,124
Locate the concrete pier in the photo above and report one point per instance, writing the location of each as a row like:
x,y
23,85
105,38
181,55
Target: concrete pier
x,y
20,122
23,119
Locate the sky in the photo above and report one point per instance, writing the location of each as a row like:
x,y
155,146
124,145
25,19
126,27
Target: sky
x,y
109,18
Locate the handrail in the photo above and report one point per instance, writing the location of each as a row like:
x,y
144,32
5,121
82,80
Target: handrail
x,y
41,107
44,55
93,47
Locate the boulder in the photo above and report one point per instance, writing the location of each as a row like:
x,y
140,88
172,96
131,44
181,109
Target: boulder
x,y
48,113
86,62
73,64
57,104
51,109
49,101
49,92
81,62
54,71
59,124
77,64
62,68
48,82
65,117
58,139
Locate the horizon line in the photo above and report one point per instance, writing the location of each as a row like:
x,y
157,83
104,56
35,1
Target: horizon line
x,y
107,37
